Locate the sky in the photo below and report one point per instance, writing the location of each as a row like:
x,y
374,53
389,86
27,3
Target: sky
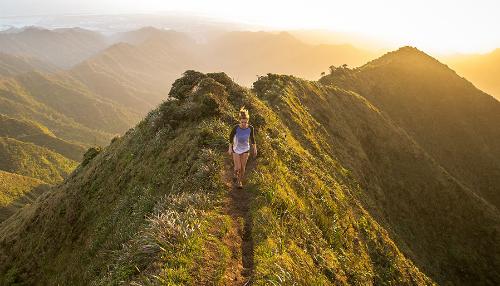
x,y
438,26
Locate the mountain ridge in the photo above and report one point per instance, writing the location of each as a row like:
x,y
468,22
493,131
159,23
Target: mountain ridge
x,y
173,159
412,208
397,217
443,115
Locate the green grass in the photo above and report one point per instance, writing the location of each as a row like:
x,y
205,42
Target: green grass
x,y
33,161
146,209
17,191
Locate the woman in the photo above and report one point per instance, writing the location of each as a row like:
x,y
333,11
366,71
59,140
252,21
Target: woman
x,y
240,139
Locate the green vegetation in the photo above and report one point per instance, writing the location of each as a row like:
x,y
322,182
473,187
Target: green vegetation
x,y
32,132
33,161
17,191
168,169
15,102
14,64
342,194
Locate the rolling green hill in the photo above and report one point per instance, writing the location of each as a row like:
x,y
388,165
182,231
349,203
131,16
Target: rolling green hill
x,y
10,127
340,194
32,132
24,98
16,191
33,161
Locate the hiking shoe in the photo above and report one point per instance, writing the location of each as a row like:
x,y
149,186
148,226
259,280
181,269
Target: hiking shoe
x,y
235,177
240,185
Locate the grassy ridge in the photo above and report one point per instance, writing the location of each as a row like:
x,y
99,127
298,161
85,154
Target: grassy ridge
x,y
453,121
444,227
146,207
309,227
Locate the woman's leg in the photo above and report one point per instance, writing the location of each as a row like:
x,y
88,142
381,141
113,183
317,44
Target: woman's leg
x,y
237,163
243,163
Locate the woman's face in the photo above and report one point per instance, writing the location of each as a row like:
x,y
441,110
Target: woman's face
x,y
244,122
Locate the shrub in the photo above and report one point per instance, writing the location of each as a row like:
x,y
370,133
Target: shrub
x,y
90,154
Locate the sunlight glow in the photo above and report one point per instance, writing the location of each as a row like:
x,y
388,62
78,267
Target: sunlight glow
x,y
439,26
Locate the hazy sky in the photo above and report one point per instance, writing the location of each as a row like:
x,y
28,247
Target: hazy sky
x,y
440,26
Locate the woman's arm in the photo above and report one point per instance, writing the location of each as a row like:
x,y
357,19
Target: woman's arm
x,y
231,139
252,141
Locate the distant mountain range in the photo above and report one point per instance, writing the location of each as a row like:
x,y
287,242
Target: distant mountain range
x,y
62,47
246,55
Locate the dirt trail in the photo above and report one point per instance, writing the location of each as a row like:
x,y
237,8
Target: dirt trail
x,y
239,238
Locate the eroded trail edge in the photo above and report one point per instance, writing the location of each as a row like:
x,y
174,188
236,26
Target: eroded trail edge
x,y
239,238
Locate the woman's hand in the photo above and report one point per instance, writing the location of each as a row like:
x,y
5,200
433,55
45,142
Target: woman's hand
x,y
230,151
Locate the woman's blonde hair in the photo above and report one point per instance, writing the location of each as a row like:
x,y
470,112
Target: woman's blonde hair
x,y
244,113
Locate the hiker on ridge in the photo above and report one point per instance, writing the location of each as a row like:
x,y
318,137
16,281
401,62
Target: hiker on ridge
x,y
239,139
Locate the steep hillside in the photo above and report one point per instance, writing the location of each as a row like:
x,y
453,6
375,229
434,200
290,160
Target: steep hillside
x,y
442,226
153,206
243,55
63,47
16,191
482,70
14,64
457,124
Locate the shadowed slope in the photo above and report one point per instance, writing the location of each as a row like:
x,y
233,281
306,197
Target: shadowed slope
x,y
457,124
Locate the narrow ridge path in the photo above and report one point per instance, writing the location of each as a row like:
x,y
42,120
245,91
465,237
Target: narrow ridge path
x,y
239,238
